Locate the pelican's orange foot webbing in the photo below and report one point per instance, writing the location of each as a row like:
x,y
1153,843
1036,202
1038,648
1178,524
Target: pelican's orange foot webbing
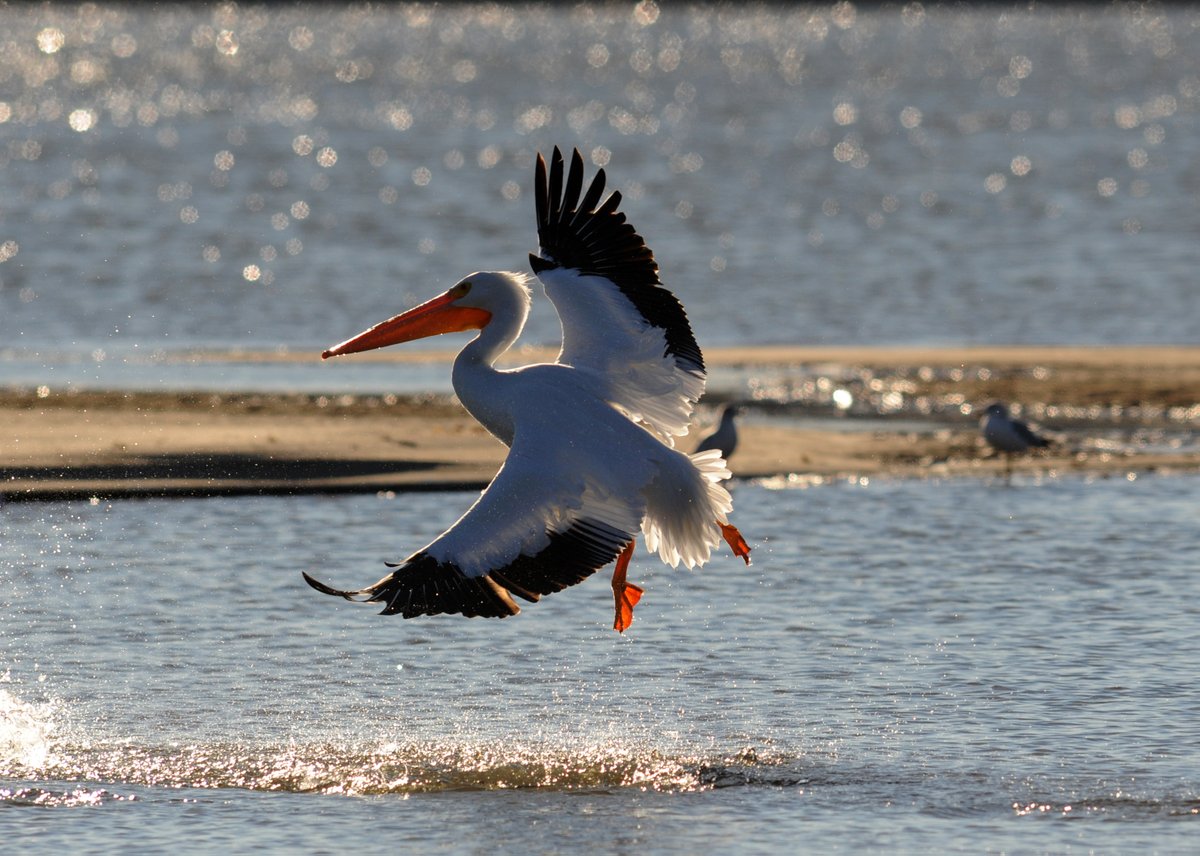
x,y
625,594
735,541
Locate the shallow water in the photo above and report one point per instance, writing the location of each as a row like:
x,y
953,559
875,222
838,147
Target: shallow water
x,y
276,176
906,664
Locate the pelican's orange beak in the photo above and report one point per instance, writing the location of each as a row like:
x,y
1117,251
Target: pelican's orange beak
x,y
439,315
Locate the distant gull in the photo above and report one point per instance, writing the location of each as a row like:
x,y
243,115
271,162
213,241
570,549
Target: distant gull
x,y
725,438
1008,435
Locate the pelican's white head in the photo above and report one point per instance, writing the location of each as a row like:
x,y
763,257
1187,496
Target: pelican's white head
x,y
503,294
472,304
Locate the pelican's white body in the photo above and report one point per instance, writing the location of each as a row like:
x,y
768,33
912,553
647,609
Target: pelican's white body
x,y
577,452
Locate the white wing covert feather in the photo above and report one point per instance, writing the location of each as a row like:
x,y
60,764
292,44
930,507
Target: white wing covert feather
x,y
618,321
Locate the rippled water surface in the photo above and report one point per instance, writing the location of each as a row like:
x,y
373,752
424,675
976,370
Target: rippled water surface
x,y
267,176
906,664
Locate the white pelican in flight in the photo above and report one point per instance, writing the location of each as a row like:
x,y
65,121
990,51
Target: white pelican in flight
x,y
591,436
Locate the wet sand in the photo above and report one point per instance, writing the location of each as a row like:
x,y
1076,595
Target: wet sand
x,y
127,444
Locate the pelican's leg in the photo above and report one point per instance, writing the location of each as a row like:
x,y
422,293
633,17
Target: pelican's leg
x,y
625,595
735,541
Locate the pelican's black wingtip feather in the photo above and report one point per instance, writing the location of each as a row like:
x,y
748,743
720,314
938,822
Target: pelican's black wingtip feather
x,y
595,191
324,589
554,190
574,185
541,195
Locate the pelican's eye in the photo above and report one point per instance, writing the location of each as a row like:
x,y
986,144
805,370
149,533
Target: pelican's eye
x,y
461,290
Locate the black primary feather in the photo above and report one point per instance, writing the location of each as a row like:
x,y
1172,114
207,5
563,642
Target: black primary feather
x,y
421,585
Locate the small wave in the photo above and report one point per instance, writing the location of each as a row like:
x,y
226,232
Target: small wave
x,y
1118,806
411,768
47,798
99,775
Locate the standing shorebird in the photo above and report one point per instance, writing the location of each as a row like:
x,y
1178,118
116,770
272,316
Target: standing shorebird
x,y
1007,435
591,457
725,438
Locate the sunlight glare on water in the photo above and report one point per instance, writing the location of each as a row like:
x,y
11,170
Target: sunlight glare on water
x,y
271,176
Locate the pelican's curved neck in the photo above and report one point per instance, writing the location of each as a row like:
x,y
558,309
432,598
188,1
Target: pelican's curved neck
x,y
493,340
476,379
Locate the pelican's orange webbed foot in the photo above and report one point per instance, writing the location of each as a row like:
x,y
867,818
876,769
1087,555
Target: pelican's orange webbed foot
x,y
626,598
735,541
625,594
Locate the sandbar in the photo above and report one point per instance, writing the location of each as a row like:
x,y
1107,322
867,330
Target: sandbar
x,y
121,444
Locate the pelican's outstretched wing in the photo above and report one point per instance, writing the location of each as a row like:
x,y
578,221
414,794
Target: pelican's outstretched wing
x,y
542,525
618,321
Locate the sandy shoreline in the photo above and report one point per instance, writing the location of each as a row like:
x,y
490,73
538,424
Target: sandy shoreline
x,y
1052,355
127,444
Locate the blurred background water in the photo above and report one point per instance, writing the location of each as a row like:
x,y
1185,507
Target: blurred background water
x,y
272,177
